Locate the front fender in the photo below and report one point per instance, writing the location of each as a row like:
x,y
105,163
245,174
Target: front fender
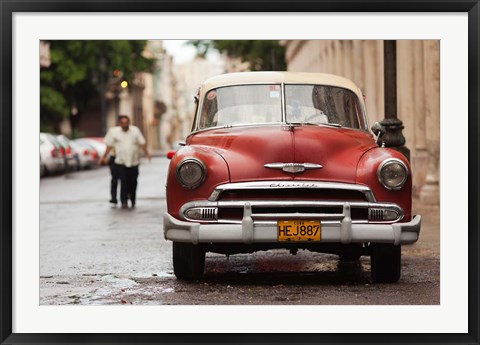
x,y
217,173
367,175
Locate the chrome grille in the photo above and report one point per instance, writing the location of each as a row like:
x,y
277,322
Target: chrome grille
x,y
292,190
272,200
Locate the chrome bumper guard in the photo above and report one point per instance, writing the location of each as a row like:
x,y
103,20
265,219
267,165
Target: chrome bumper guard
x,y
253,231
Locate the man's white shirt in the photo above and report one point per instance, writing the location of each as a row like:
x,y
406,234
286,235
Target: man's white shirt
x,y
126,144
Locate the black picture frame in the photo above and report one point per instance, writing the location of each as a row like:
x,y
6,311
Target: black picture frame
x,y
9,7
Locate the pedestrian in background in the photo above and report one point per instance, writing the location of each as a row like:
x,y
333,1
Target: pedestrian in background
x,y
126,140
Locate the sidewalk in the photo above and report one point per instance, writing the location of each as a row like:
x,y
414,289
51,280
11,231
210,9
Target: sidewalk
x,y
429,239
431,212
158,153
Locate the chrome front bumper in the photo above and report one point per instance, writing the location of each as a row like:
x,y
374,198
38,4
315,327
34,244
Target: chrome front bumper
x,y
253,231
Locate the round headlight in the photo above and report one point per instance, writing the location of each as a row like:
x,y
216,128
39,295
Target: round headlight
x,y
191,172
392,173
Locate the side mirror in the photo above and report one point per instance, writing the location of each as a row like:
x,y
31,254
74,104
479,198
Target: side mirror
x,y
175,148
378,129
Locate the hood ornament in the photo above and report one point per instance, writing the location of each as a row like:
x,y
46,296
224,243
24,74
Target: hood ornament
x,y
293,168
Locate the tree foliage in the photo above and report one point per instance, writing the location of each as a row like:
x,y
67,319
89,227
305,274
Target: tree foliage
x,y
77,67
262,55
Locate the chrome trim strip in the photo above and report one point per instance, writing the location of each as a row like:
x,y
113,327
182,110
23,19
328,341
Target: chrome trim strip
x,y
293,168
265,222
283,124
292,185
309,166
296,203
274,165
238,125
323,216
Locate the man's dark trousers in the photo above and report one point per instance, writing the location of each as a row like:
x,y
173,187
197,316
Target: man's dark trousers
x,y
128,187
115,176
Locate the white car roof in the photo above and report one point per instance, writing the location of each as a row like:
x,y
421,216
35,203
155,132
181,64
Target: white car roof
x,y
280,77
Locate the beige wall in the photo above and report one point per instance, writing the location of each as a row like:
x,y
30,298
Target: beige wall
x,y
44,54
149,123
418,92
190,76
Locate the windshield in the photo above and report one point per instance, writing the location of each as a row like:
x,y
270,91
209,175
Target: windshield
x,y
321,104
243,104
262,104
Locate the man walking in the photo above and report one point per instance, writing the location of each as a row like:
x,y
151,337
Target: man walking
x,y
126,140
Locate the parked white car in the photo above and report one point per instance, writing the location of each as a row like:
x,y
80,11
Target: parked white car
x,y
71,156
87,155
98,144
51,155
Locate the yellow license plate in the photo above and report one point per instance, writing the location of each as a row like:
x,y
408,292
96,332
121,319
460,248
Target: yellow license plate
x,y
298,230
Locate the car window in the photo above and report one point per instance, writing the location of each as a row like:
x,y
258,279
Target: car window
x,y
241,104
322,104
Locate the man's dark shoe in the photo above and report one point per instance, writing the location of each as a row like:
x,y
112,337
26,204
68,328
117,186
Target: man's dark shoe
x,y
113,201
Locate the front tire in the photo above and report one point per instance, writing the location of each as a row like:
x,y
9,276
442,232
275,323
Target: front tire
x,y
188,261
385,263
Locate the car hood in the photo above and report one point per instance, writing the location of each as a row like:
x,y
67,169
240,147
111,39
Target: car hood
x,y
247,149
337,150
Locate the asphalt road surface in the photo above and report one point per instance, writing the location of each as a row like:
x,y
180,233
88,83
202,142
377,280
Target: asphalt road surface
x,y
93,254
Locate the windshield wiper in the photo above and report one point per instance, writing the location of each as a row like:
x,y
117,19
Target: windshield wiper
x,y
315,124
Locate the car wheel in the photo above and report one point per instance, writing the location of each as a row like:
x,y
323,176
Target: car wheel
x,y
188,261
43,170
385,262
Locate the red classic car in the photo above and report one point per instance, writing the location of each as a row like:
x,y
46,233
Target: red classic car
x,y
286,160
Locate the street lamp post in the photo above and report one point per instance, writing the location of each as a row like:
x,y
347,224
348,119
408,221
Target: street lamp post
x,y
103,101
116,96
118,85
393,136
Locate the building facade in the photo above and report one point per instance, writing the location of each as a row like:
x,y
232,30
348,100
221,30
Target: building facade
x,y
190,76
418,92
44,54
136,99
